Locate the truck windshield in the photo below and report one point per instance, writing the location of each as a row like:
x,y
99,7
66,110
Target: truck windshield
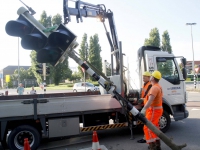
x,y
168,69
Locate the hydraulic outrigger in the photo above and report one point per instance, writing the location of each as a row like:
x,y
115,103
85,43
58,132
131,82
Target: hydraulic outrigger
x,y
84,9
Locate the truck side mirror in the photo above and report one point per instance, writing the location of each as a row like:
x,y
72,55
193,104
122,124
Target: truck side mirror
x,y
183,61
184,72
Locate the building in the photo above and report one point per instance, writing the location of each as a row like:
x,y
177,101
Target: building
x,y
9,70
189,65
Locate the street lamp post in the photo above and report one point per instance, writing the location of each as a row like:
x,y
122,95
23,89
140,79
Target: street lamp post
x,y
191,24
86,47
18,64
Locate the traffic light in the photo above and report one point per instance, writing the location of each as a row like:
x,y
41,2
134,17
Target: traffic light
x,y
28,29
59,41
39,69
47,70
50,46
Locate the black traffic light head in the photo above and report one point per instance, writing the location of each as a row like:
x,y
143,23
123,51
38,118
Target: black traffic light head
x,y
39,68
47,70
29,29
62,39
49,55
18,28
39,71
58,43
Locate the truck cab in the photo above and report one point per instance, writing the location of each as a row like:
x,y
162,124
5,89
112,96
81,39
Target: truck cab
x,y
173,82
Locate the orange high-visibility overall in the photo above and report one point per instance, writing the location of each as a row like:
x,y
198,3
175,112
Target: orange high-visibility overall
x,y
154,112
144,89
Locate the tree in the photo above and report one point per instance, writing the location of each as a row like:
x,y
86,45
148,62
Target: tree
x,y
154,38
33,66
94,53
75,76
57,19
45,20
166,46
83,52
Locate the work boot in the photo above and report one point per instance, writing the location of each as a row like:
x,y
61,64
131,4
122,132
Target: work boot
x,y
152,146
158,145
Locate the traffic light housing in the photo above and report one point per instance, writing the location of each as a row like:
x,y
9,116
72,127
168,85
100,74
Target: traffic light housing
x,y
59,41
50,46
28,29
39,68
47,70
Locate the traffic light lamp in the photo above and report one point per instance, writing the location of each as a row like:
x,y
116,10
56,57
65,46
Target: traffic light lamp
x,y
39,68
50,46
28,29
59,41
47,70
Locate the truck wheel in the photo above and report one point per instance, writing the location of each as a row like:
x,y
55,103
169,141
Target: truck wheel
x,y
17,136
165,121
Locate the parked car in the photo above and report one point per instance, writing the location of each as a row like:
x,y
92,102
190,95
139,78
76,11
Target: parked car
x,y
84,87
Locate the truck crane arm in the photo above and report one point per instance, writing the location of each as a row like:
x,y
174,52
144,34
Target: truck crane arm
x,y
90,10
84,9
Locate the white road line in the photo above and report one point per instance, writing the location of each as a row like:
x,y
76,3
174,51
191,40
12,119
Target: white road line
x,y
195,109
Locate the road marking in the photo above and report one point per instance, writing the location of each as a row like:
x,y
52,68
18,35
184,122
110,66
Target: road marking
x,y
195,109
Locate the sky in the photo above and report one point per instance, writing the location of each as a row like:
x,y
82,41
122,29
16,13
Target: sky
x,y
133,19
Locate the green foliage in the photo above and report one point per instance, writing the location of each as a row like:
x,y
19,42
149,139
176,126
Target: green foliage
x,y
23,74
75,76
83,53
33,66
93,82
165,68
70,85
60,72
57,19
45,20
94,53
154,38
166,46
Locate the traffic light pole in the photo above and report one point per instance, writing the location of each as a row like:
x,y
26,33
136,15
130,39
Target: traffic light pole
x,y
44,76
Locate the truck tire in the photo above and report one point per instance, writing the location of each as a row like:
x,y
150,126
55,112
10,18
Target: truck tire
x,y
17,136
165,121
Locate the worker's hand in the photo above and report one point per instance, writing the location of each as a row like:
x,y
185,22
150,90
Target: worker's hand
x,y
141,101
143,111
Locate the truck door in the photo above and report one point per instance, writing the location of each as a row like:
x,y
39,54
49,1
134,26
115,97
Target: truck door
x,y
172,80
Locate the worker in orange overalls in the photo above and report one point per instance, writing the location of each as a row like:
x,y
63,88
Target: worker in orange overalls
x,y
145,89
153,110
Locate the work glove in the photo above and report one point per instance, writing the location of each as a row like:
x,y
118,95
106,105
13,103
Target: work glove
x,y
143,111
141,101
